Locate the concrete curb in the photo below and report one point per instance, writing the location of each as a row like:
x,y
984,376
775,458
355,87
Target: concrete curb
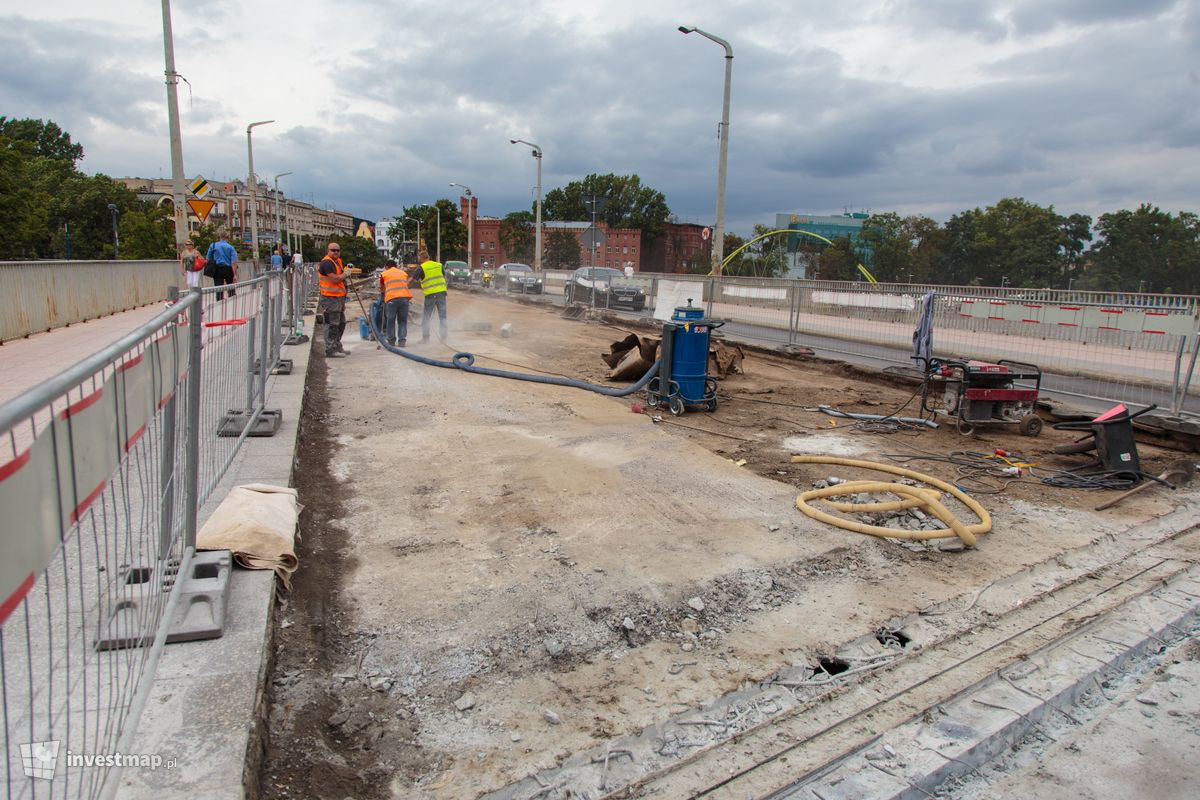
x,y
208,697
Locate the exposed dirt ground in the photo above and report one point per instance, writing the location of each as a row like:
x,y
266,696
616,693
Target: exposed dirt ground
x,y
497,574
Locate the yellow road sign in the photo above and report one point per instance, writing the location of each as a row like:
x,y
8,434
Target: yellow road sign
x,y
199,187
201,208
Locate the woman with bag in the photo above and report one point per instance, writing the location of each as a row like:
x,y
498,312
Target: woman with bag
x,y
192,263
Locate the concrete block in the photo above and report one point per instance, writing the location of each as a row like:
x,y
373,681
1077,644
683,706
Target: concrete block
x,y
506,330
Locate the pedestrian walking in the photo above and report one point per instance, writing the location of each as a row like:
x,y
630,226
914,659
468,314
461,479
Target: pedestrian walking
x,y
277,258
393,287
192,264
223,260
433,286
331,275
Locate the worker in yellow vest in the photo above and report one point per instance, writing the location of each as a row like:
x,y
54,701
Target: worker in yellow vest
x,y
393,288
433,285
331,275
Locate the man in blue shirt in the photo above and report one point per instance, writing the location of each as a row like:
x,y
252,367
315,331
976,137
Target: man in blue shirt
x,y
224,260
277,258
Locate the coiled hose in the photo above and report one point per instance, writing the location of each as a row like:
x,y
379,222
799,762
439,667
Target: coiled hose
x,y
915,497
466,362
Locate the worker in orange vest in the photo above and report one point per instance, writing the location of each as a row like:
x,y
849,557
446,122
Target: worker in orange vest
x,y
393,288
331,275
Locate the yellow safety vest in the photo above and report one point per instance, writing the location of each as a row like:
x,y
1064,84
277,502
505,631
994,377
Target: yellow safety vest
x,y
434,281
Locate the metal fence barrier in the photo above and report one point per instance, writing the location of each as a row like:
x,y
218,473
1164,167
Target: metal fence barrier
x,y
1114,347
103,470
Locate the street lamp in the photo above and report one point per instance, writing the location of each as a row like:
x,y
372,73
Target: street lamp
x,y
116,212
1069,282
1003,281
253,195
470,223
278,228
537,154
719,230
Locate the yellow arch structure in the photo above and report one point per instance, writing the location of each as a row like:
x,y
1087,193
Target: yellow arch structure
x,y
760,237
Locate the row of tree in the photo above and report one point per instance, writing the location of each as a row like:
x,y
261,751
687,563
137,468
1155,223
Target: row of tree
x,y
50,209
1014,243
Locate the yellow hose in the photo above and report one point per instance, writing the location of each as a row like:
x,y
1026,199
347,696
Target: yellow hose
x,y
914,497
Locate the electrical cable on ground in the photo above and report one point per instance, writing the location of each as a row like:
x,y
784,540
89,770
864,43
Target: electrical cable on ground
x,y
923,498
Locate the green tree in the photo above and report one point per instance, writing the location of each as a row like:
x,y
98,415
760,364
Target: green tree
x,y
43,139
454,232
766,258
627,204
838,261
1147,248
517,236
356,250
738,265
147,232
562,250
1014,240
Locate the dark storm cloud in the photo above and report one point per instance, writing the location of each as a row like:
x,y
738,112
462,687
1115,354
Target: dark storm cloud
x,y
72,72
1084,105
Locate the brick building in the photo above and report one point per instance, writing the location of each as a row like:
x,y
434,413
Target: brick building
x,y
622,247
683,247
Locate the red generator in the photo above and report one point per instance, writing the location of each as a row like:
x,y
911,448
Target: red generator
x,y
981,393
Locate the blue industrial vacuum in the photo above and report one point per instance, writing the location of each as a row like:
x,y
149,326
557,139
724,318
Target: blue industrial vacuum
x,y
682,379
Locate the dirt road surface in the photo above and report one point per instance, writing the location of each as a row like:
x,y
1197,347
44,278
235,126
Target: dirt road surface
x,y
499,578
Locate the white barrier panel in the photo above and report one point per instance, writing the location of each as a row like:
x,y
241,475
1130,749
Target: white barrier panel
x,y
900,302
755,292
676,293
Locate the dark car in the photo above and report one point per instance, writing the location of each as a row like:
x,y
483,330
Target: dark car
x,y
517,278
457,273
587,283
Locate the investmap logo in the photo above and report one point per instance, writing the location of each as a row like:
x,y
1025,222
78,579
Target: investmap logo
x,y
38,759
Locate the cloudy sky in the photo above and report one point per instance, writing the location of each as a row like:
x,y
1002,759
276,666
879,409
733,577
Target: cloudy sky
x,y
914,106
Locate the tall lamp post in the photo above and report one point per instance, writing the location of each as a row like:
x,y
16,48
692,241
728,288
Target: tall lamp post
x,y
177,178
278,229
253,182
719,230
537,154
470,224
116,212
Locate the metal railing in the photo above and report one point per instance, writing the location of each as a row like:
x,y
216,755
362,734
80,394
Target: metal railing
x,y
1115,347
103,470
40,295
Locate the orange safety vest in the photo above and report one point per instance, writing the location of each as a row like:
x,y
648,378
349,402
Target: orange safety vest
x,y
330,288
395,284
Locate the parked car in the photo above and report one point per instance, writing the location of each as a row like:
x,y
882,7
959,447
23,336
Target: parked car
x,y
457,274
517,278
598,281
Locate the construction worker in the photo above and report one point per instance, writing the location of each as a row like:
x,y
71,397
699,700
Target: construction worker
x,y
433,285
331,275
393,288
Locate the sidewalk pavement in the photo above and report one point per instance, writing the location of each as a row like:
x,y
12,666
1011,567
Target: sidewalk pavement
x,y
24,363
206,696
